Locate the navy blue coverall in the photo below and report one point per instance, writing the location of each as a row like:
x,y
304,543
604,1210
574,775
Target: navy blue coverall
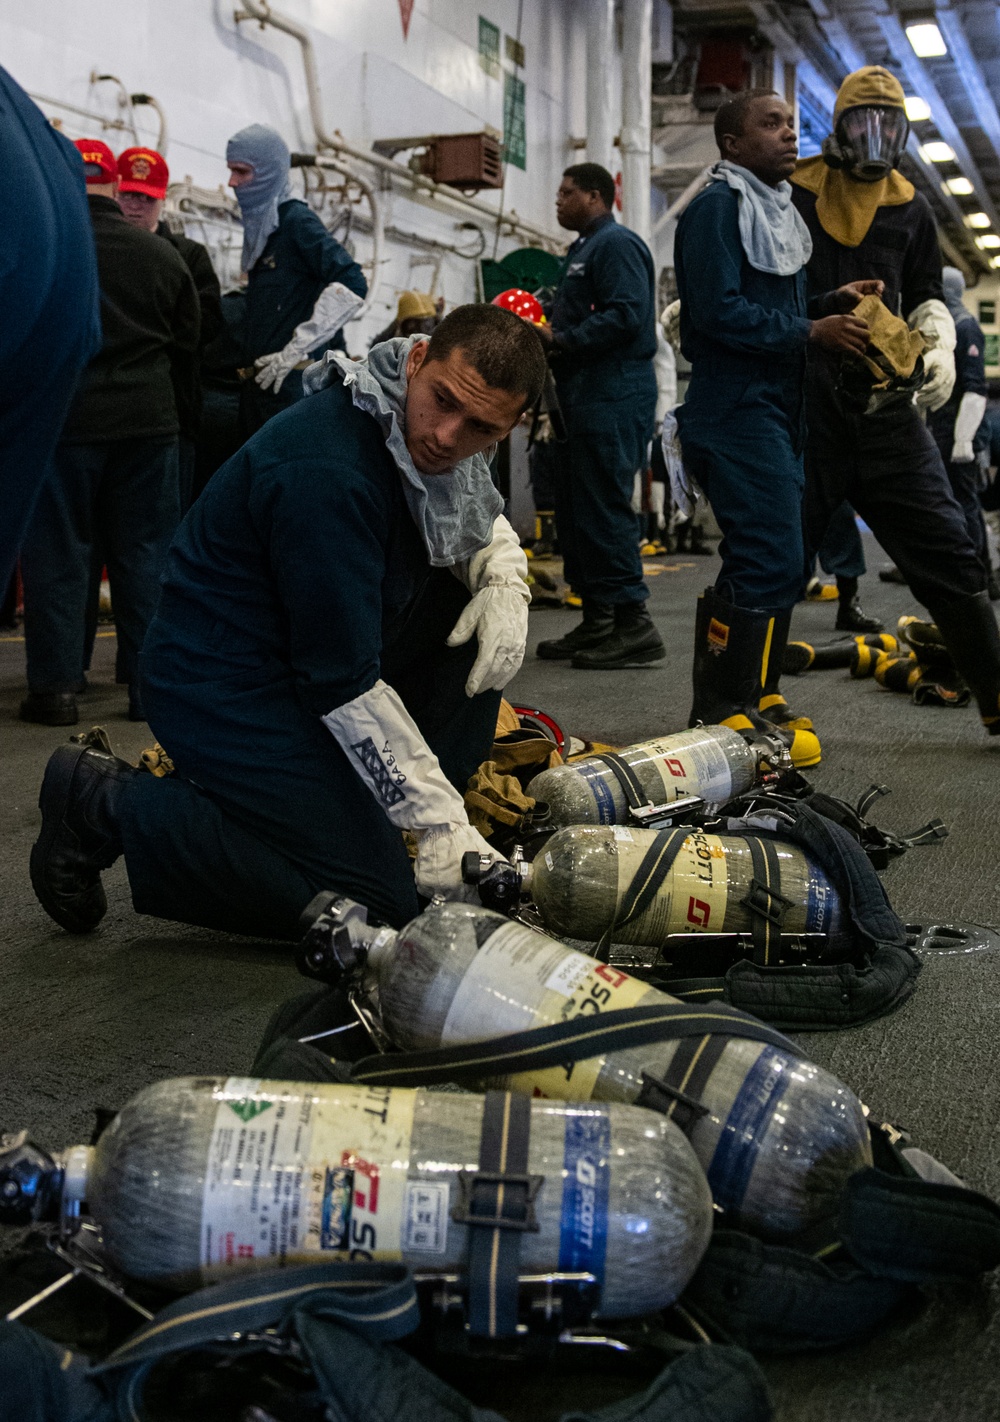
x,y
741,424
604,335
970,378
297,580
299,261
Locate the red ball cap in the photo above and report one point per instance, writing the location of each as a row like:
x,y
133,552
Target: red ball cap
x,y
143,170
98,160
522,303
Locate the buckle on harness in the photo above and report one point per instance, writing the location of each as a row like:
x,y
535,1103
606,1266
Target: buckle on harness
x,y
476,1205
766,902
659,1095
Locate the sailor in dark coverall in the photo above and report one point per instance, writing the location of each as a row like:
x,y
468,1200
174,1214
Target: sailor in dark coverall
x,y
867,221
739,257
302,285
603,339
300,671
957,426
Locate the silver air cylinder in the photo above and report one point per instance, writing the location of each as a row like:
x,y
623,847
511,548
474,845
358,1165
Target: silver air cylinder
x,y
199,1178
780,1136
712,762
582,878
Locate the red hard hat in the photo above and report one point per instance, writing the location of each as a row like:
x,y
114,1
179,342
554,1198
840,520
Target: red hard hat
x,y
522,303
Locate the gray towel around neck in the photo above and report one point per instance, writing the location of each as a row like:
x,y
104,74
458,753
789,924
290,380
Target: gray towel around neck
x,y
775,238
454,512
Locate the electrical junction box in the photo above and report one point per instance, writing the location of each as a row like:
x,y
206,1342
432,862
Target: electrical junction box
x,y
470,161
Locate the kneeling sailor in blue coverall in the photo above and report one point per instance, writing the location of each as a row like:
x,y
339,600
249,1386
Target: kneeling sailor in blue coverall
x,y
740,254
312,669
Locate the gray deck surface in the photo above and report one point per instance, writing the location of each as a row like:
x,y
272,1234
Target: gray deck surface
x,y
90,1020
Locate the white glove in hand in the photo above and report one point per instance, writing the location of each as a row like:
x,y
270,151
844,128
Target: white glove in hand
x,y
334,305
384,745
670,320
438,869
967,422
498,613
937,326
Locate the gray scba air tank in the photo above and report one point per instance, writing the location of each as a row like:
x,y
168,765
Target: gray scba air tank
x,y
779,1137
713,763
581,878
199,1178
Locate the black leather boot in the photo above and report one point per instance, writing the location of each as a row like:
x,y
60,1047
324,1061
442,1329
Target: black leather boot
x,y
50,708
634,642
851,616
79,835
969,628
730,646
598,623
773,706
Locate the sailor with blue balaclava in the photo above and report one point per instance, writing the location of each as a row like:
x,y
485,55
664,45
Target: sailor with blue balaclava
x,y
302,285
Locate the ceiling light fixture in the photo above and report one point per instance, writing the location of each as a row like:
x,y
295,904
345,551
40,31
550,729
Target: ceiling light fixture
x,y
988,242
916,109
977,219
959,187
937,152
995,261
926,40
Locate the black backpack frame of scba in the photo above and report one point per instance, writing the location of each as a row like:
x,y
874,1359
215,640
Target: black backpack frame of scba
x,y
795,981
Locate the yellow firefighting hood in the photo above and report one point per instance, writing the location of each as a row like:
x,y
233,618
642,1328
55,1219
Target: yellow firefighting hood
x,y
844,206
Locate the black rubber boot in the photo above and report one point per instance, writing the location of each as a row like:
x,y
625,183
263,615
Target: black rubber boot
x,y
730,646
598,623
851,616
969,628
773,706
634,642
79,835
50,708
891,574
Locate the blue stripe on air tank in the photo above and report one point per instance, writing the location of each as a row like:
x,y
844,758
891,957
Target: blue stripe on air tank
x,y
749,1117
583,1231
601,790
822,896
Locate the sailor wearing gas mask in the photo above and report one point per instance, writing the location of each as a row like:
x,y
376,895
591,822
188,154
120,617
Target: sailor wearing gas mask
x,y
867,221
740,254
339,612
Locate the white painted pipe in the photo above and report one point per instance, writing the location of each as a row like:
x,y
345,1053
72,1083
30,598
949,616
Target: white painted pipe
x,y
333,142
636,142
600,57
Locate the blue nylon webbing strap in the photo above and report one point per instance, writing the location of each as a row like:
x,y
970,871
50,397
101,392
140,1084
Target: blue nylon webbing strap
x,y
378,1300
539,1047
497,1208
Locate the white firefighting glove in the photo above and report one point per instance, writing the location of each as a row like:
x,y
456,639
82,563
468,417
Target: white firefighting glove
x,y
967,422
498,612
334,305
937,326
385,747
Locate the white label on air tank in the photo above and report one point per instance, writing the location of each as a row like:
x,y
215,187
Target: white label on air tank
x,y
694,769
291,1178
568,976
425,1219
622,834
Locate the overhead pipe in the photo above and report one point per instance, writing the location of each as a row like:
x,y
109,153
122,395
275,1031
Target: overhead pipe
x,y
325,161
970,72
261,11
147,101
600,58
637,117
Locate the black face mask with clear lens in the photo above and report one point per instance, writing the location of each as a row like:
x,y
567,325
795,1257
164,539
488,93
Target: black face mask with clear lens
x,y
872,140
